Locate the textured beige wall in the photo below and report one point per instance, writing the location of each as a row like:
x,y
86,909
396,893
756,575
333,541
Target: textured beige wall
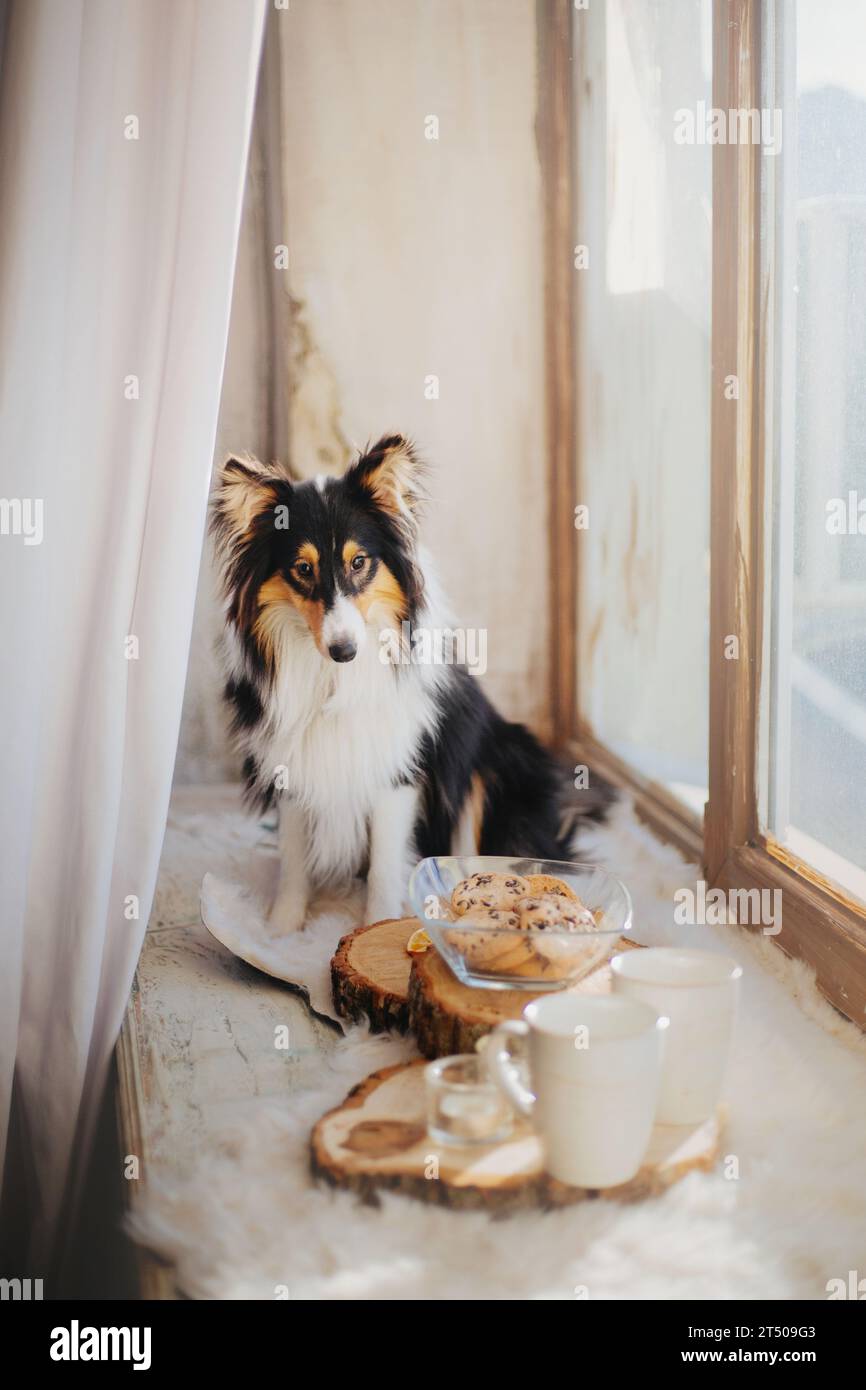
x,y
409,257
204,753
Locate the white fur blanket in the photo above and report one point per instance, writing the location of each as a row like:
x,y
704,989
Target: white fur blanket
x,y
249,1222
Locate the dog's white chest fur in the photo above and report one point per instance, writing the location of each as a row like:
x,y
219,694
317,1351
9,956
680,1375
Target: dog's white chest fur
x,y
337,736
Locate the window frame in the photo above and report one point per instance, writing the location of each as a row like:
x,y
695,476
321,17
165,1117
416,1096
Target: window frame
x,y
821,924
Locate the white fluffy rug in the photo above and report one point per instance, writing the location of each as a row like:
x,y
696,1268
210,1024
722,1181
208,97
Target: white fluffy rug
x,y
248,1221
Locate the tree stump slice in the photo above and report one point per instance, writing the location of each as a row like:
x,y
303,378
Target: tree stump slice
x,y
370,974
448,1017
377,1141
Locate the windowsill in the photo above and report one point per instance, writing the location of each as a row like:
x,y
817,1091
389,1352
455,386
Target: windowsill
x,y
833,866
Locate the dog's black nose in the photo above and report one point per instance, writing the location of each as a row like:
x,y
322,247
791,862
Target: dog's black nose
x,y
342,651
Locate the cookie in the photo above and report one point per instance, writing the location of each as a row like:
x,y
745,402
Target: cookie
x,y
532,964
554,914
568,956
504,952
569,946
546,886
573,946
488,891
540,914
497,918
488,943
510,931
576,917
557,955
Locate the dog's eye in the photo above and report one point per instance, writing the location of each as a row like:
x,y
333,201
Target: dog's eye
x,y
304,569
358,562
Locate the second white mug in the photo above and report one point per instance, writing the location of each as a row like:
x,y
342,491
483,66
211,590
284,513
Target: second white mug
x,y
697,990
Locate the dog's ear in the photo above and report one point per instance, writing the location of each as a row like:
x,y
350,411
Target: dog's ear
x,y
246,489
391,473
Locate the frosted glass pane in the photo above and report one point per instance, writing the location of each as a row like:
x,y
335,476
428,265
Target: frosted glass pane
x,y
644,354
815,798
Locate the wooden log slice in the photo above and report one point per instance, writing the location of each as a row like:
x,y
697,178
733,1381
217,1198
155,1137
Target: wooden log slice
x,y
377,1141
370,974
448,1017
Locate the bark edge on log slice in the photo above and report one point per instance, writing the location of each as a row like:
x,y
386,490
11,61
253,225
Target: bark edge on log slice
x,y
376,1141
370,974
448,1017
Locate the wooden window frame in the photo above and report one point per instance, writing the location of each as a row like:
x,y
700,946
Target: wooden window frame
x,y
821,924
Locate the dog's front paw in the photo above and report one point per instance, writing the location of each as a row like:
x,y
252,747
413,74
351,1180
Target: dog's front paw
x,y
287,915
383,903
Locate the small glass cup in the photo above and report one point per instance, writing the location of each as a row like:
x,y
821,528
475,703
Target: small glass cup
x,y
463,1104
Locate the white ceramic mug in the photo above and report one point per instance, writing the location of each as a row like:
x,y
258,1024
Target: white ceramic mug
x,y
697,990
595,1068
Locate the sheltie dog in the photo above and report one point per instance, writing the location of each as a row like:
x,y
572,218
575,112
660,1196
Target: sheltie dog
x,y
374,762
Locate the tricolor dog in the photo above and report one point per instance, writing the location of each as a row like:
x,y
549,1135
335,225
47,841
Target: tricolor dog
x,y
373,761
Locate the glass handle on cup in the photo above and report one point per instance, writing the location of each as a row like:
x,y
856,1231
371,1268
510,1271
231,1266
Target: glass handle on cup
x,y
500,1065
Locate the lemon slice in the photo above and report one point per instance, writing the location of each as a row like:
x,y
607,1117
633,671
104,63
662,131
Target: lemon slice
x,y
419,941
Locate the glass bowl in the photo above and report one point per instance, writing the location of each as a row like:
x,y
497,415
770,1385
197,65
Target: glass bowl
x,y
509,958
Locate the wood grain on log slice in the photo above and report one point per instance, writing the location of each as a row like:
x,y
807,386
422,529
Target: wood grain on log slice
x,y
449,1017
377,1141
370,974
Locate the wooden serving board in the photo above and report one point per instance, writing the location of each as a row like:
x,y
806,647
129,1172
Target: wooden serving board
x,y
449,1017
370,974
377,1141
374,977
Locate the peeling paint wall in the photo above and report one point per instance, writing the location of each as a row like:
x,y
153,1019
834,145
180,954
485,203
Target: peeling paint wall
x,y
410,258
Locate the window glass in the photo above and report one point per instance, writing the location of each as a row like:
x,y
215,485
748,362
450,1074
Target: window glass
x,y
644,179
814,794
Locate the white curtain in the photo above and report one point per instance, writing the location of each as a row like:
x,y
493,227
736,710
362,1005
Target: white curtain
x,y
124,127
